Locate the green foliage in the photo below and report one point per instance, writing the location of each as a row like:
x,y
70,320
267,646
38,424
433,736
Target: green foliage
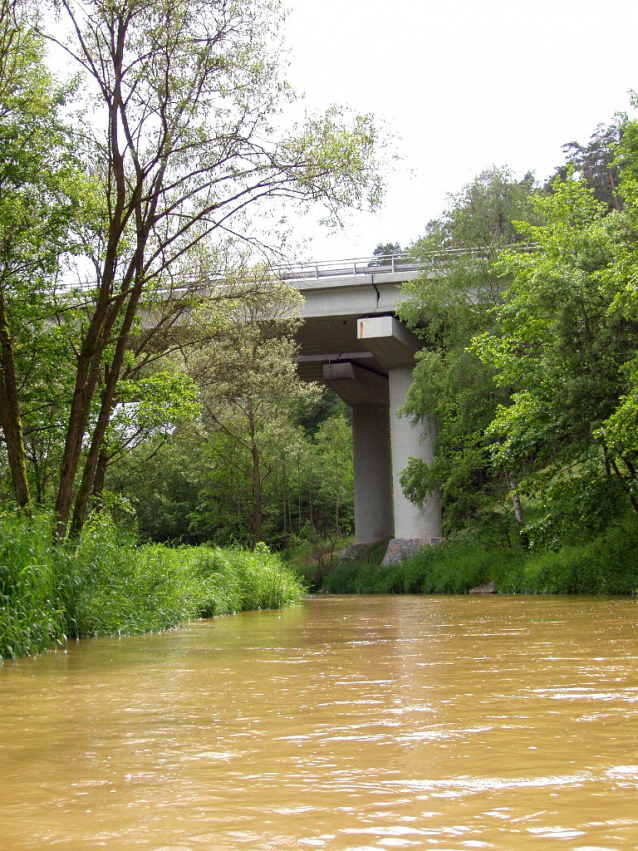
x,y
384,252
163,482
334,502
42,191
596,163
198,486
363,575
161,211
248,388
607,564
575,507
448,306
110,585
115,587
563,343
235,579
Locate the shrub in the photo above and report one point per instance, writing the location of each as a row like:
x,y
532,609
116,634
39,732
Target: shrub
x,y
608,564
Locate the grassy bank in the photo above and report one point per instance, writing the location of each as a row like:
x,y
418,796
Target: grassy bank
x,y
606,565
107,584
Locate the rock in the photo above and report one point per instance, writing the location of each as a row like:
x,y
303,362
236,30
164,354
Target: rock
x,y
488,588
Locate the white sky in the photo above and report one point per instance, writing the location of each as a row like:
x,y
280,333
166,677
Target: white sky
x,y
465,84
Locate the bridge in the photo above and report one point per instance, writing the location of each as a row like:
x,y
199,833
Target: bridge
x,y
352,341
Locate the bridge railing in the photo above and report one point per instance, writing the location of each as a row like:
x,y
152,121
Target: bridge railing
x,y
385,263
347,266
315,270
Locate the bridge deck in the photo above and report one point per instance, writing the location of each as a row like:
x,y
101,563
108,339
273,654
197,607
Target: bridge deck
x,y
334,298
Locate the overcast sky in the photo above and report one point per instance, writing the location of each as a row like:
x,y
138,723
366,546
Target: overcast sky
x,y
464,84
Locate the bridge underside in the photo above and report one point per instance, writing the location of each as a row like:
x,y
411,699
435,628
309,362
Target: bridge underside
x,y
367,358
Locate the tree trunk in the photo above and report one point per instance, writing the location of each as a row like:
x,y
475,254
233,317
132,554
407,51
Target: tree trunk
x,y
256,494
518,508
104,416
86,380
100,474
10,414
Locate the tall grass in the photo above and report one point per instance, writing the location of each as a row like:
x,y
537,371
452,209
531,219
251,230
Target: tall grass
x,y
31,615
107,584
606,565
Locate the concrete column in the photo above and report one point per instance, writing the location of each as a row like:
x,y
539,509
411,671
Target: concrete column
x,y
409,441
373,520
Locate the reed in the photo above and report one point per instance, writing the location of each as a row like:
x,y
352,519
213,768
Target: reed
x,y
107,584
31,616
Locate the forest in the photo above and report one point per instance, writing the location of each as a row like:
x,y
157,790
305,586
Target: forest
x,y
150,410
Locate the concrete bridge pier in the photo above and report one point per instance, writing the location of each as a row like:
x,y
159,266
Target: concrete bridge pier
x,y
413,527
383,441
372,462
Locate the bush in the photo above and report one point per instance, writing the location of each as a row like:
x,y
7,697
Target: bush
x,y
233,579
115,587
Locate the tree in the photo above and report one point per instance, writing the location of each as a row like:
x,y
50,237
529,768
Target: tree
x,y
249,386
39,189
564,344
336,486
596,164
447,306
384,252
184,148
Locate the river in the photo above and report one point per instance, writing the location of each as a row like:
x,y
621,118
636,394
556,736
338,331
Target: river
x,y
346,723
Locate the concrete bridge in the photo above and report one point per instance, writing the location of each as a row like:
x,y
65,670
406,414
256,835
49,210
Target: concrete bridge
x,y
352,341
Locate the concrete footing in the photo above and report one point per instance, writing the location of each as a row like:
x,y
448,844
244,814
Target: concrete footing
x,y
401,549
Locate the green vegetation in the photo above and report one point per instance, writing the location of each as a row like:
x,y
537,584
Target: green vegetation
x,y
529,362
146,351
606,565
107,584
529,368
170,189
157,400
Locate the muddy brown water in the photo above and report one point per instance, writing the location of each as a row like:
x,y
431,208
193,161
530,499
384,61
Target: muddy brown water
x,y
344,723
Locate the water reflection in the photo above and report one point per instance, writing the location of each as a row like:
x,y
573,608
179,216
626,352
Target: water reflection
x,y
351,723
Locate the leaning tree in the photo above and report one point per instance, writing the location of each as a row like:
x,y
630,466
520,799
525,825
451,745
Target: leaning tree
x,y
183,137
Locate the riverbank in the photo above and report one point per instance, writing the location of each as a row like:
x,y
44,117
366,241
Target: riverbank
x,y
606,565
108,584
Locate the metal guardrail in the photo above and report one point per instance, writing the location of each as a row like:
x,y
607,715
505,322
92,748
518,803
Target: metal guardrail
x,y
354,266
389,263
386,263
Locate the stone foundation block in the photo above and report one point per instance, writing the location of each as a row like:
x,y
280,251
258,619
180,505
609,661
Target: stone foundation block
x,y
400,549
